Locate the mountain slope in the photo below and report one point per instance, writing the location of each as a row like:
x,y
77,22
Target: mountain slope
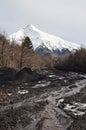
x,y
44,43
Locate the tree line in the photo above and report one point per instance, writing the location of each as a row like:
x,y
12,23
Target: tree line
x,y
17,56
14,55
74,62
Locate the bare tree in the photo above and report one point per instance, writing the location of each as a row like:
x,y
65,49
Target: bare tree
x,y
3,42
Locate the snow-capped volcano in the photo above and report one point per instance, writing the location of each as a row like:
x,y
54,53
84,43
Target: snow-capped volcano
x,y
44,43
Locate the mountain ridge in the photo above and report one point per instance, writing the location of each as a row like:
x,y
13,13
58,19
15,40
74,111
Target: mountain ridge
x,y
44,43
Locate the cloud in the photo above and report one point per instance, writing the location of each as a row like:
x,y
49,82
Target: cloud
x,y
65,18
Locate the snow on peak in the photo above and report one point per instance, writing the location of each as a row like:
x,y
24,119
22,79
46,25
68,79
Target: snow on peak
x,y
41,39
30,27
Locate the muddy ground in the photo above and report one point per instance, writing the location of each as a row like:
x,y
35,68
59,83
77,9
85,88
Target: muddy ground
x,y
56,102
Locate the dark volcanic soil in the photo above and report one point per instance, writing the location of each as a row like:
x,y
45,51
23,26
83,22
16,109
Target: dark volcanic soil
x,y
56,102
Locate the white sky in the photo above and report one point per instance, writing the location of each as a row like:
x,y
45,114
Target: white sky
x,y
64,18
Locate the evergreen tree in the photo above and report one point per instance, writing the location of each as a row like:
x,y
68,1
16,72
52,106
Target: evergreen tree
x,y
26,44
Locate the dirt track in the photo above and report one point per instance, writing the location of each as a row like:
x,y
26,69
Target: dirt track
x,y
53,103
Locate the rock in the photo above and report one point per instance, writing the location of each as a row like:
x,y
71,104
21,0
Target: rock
x,y
26,74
